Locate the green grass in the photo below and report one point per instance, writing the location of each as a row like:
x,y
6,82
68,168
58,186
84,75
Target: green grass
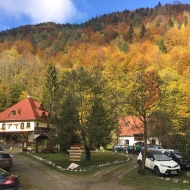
x,y
97,159
150,181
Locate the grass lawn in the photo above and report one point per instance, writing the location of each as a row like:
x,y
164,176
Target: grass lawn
x,y
150,181
98,159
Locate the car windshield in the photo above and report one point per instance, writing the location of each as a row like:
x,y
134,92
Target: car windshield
x,y
161,157
167,153
4,156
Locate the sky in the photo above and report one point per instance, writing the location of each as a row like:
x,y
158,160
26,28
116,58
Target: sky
x,y
15,13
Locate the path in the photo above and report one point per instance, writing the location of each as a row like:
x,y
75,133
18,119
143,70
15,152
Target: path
x,y
36,176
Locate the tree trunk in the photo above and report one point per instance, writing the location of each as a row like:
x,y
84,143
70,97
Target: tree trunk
x,y
88,155
142,167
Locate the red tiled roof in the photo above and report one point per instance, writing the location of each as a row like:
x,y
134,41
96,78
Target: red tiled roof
x,y
129,125
27,109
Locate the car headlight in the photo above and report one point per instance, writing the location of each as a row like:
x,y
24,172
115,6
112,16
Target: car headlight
x,y
177,165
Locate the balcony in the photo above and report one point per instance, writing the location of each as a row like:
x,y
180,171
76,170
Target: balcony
x,y
39,130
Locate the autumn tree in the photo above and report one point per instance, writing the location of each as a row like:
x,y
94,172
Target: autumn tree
x,y
100,120
181,139
67,129
88,115
141,100
142,31
160,126
3,97
110,33
51,86
121,44
170,22
162,46
130,36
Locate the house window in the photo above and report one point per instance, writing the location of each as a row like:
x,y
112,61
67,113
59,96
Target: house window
x,y
41,107
138,137
120,141
43,115
22,126
47,126
28,125
3,126
13,112
37,124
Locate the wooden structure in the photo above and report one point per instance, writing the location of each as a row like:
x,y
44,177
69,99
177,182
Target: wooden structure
x,y
75,153
41,137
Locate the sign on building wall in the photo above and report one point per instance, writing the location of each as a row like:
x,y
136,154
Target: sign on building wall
x,y
16,126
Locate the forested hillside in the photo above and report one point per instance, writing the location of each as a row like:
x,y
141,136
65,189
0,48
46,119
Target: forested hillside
x,y
104,53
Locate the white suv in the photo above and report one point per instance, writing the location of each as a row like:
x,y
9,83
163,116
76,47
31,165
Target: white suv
x,y
159,163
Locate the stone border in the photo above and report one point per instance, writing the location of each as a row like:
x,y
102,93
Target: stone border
x,y
176,180
76,169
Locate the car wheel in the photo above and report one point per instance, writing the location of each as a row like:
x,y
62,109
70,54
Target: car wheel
x,y
139,163
157,170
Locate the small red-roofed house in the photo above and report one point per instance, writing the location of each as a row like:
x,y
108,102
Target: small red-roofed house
x,y
24,121
130,131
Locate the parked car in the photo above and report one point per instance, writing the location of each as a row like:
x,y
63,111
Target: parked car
x,y
119,148
10,155
8,181
12,158
159,163
6,161
152,146
177,157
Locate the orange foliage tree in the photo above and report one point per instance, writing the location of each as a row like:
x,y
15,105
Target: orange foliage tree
x,y
142,98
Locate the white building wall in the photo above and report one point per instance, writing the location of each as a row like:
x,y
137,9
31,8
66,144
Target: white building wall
x,y
122,140
21,127
16,126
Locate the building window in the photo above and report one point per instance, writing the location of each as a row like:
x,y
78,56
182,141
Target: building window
x,y
13,112
28,125
47,126
37,124
43,115
3,127
22,126
138,137
120,141
41,107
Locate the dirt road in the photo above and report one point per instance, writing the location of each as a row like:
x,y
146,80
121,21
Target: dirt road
x,y
35,176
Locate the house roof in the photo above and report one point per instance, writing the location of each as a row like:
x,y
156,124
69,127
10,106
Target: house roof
x,y
43,136
27,109
130,125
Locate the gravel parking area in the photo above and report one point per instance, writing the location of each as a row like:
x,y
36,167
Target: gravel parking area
x,y
35,176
